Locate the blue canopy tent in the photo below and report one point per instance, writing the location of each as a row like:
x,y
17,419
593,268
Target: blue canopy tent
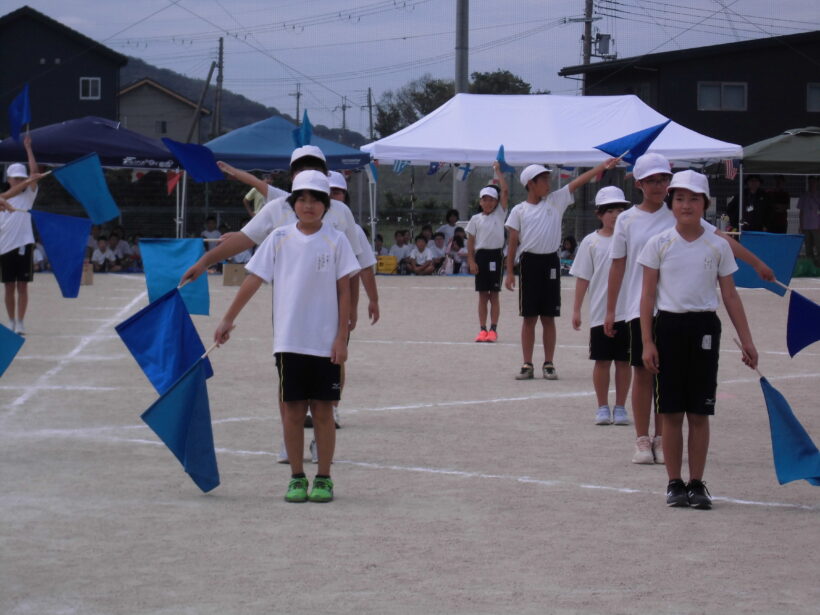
x,y
267,145
116,146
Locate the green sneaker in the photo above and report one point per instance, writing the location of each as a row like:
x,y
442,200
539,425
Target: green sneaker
x,y
297,490
322,490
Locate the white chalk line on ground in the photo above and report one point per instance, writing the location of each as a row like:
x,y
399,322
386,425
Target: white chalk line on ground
x,y
83,343
442,471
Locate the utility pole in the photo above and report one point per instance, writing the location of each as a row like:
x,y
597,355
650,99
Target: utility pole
x,y
195,119
344,107
587,39
298,95
462,85
216,124
369,106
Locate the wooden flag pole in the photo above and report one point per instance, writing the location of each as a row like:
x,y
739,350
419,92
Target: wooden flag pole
x,y
779,283
210,348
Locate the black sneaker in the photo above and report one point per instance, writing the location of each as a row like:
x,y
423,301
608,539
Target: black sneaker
x,y
698,494
676,493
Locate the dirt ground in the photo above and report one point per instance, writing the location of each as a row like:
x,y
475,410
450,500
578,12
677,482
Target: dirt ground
x,y
458,488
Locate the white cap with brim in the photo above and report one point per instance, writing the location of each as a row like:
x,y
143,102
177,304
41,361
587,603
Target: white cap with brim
x,y
691,180
531,172
17,170
311,180
337,180
651,164
490,192
610,195
305,151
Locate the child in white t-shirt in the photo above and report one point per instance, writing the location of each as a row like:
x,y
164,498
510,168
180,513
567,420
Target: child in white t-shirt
x,y
681,267
310,264
420,260
485,244
103,259
591,271
534,227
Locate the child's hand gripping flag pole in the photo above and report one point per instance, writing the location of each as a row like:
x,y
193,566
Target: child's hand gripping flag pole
x,y
795,455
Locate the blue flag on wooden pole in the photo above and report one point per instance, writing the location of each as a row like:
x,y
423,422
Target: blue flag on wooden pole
x,y
164,262
197,160
803,326
19,113
304,133
778,250
84,179
64,239
163,340
505,168
635,144
182,420
10,344
795,455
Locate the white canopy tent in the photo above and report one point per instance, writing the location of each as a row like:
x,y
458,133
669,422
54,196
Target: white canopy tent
x,y
545,129
539,129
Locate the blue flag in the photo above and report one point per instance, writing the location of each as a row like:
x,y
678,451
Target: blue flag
x,y
635,143
64,239
19,113
182,420
463,172
163,340
505,168
795,455
779,251
164,262
10,343
197,160
433,168
304,133
84,179
803,328
400,165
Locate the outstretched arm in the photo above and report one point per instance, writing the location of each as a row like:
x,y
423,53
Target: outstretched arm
x,y
236,243
245,177
502,183
747,256
583,178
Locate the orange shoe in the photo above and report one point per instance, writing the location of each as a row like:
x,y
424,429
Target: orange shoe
x,y
482,336
492,336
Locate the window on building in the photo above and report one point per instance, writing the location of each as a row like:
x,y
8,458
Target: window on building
x,y
89,88
721,96
161,127
813,97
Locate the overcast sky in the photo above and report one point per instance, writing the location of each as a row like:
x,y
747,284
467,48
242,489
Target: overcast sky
x,y
337,49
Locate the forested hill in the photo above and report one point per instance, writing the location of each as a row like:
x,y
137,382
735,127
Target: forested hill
x,y
237,110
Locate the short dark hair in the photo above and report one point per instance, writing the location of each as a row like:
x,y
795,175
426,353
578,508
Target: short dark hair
x,y
451,212
422,237
439,234
671,197
209,218
307,162
379,237
316,194
427,227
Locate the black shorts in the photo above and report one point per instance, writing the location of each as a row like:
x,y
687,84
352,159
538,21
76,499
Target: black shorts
x,y
18,267
688,348
635,343
539,285
605,348
303,376
488,278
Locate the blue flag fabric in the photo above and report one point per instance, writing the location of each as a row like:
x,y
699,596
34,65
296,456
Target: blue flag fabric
x,y
505,168
803,327
400,165
182,420
463,172
64,239
779,251
795,455
19,113
304,133
433,168
84,179
635,143
164,262
163,341
10,344
197,160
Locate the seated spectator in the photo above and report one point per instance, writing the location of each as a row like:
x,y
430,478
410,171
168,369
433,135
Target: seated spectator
x,y
136,255
427,231
458,251
121,250
400,250
438,249
39,255
449,228
568,247
103,258
420,261
210,232
378,248
91,244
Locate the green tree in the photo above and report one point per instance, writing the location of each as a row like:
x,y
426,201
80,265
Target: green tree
x,y
498,82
